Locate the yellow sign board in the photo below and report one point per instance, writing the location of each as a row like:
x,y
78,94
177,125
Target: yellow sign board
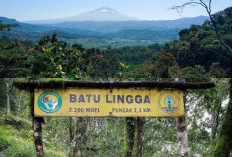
x,y
108,102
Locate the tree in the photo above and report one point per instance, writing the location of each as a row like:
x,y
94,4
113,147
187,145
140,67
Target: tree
x,y
129,133
9,86
224,143
7,26
80,129
55,59
207,4
138,137
103,66
3,96
16,59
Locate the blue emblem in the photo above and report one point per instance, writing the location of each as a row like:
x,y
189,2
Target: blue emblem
x,y
49,102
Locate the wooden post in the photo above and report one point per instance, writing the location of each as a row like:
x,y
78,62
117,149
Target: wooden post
x,y
71,136
78,133
182,135
129,124
139,137
129,133
37,128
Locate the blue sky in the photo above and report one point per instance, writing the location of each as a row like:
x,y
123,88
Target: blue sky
x,y
23,10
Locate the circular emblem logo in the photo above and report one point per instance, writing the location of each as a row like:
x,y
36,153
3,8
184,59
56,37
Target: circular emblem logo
x,y
49,102
169,102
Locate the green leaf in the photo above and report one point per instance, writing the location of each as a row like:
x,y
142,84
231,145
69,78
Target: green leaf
x,y
123,65
77,76
70,76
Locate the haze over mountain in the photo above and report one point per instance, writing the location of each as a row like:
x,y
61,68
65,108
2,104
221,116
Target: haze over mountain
x,y
114,26
102,23
100,14
107,20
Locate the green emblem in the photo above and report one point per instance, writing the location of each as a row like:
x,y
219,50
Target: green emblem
x,y
49,102
169,102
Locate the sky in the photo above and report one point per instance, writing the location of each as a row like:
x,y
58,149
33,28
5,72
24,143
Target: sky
x,y
25,10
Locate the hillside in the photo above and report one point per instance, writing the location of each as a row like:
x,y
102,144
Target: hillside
x,y
145,34
141,32
200,46
16,138
24,27
114,26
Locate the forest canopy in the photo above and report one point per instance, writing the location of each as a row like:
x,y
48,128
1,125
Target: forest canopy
x,y
196,51
196,56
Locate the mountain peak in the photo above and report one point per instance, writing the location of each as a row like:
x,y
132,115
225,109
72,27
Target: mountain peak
x,y
106,9
102,14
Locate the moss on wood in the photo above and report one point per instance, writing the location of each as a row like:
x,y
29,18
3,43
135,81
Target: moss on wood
x,y
129,130
61,83
138,139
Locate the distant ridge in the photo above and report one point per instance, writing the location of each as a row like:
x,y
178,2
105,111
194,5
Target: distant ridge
x,y
114,26
95,27
137,30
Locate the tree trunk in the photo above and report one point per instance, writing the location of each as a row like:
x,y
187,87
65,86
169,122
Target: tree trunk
x,y
8,103
138,139
182,134
76,150
129,132
7,80
70,135
38,137
216,121
19,106
37,128
224,142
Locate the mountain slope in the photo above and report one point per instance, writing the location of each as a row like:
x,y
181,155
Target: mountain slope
x,y
100,14
25,26
145,34
114,26
133,30
36,32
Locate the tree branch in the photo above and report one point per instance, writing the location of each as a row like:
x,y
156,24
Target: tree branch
x,y
208,10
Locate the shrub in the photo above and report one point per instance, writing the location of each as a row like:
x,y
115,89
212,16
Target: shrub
x,y
20,150
52,153
4,143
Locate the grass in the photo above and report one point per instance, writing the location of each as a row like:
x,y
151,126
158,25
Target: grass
x,y
16,139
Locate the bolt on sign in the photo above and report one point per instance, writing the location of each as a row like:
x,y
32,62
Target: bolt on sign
x,y
108,102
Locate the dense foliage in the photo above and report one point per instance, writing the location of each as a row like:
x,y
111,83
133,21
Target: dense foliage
x,y
105,136
199,45
196,56
197,51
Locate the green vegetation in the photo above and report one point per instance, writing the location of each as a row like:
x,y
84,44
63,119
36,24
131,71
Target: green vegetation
x,y
196,56
108,136
16,138
199,45
197,51
156,36
107,42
